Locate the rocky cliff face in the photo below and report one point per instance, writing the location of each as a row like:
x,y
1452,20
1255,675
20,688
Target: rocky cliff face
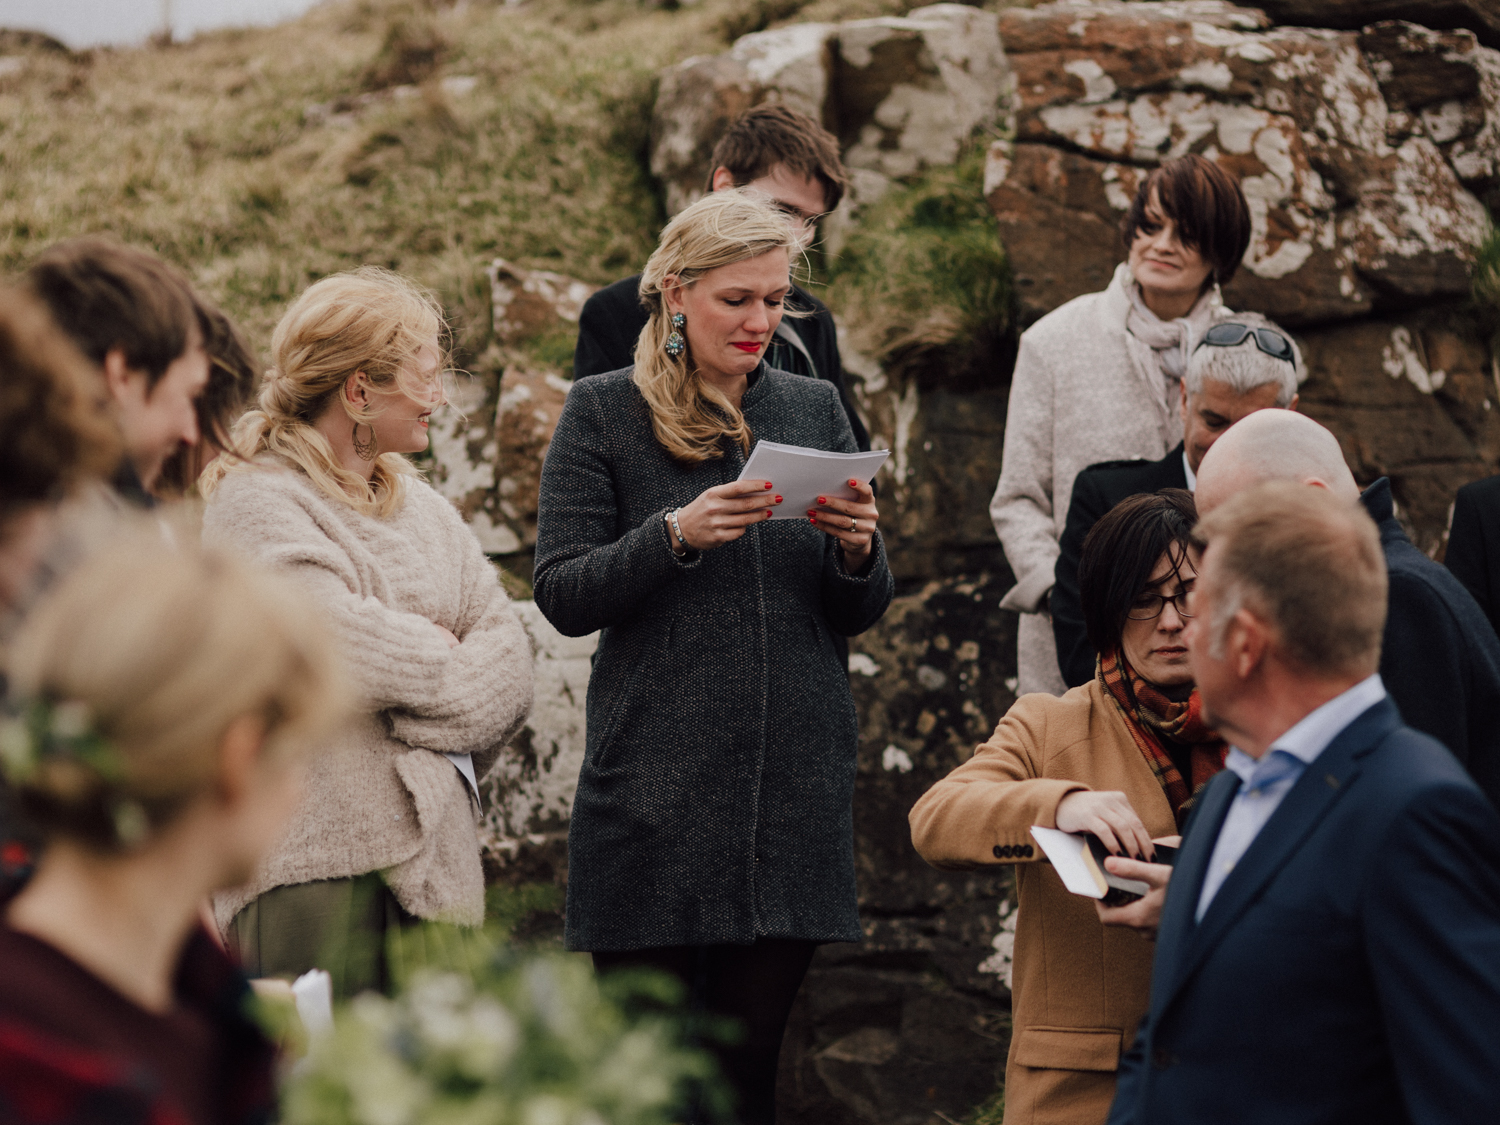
x,y
1369,153
1365,156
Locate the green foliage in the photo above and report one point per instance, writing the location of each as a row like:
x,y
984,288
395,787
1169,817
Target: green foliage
x,y
1487,274
925,270
990,1112
513,1041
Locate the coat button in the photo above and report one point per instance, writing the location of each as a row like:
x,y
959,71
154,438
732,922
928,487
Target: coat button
x,y
999,851
1026,851
1161,1058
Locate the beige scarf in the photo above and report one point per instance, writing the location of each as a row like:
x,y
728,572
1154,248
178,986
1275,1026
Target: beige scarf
x,y
1162,347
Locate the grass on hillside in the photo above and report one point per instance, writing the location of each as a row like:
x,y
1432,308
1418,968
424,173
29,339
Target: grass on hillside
x,y
923,280
209,152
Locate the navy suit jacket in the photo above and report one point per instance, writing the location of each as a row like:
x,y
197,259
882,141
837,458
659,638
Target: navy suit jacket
x,y
1440,658
1348,970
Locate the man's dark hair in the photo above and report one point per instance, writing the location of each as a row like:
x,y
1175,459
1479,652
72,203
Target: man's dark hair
x,y
773,134
232,378
105,295
1206,205
1121,551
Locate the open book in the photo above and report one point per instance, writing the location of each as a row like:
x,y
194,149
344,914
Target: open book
x,y
1079,860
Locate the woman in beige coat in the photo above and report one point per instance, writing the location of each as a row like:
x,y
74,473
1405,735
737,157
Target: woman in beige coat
x,y
440,661
1121,757
1100,379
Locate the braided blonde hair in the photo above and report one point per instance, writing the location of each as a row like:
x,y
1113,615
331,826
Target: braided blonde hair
x,y
688,415
368,320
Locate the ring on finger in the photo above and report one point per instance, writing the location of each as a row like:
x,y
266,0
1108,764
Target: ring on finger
x,y
854,525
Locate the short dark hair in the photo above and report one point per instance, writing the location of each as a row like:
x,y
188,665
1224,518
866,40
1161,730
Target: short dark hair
x,y
55,428
773,134
1206,205
1121,551
107,295
232,378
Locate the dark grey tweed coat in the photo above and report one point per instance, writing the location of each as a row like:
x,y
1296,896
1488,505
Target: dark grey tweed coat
x,y
715,803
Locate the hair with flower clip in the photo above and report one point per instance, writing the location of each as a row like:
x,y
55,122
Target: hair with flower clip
x,y
53,746
127,675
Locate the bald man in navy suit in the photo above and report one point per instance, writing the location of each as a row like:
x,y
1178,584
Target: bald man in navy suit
x,y
1329,947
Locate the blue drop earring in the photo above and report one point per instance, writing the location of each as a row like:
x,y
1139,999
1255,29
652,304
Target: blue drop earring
x,y
676,344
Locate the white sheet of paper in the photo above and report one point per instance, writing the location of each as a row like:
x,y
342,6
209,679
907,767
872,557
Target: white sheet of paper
x,y
801,475
1066,851
464,764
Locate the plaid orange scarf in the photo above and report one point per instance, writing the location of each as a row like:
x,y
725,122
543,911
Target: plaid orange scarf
x,y
1152,717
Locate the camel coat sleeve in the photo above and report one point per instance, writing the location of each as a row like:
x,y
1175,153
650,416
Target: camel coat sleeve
x,y
1079,988
982,812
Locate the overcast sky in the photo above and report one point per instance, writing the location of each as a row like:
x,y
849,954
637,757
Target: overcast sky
x,y
92,23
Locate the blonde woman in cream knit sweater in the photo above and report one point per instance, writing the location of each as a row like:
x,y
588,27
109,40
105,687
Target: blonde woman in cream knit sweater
x,y
440,660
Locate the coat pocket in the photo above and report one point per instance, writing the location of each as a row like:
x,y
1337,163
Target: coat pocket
x,y
1069,1048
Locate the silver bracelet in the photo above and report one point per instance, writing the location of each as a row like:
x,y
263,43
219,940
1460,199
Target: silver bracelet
x,y
677,530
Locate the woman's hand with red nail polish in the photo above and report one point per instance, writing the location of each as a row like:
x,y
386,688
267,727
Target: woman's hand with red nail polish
x,y
851,522
720,515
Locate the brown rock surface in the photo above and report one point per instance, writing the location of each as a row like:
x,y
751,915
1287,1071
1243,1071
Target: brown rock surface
x,y
1480,16
487,451
906,1028
901,93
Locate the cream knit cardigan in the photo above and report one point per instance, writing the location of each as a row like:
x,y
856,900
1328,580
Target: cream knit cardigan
x,y
1084,390
383,797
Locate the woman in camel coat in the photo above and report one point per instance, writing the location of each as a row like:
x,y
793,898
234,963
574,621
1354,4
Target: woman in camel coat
x,y
1120,756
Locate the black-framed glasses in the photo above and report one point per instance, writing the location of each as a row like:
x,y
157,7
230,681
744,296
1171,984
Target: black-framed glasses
x,y
1148,607
1231,334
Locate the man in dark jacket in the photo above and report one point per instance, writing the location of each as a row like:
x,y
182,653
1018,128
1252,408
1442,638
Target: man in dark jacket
x,y
1474,544
1440,658
1223,384
1327,948
794,160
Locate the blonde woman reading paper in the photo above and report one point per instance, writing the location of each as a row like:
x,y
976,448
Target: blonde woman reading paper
x,y
441,663
163,704
712,836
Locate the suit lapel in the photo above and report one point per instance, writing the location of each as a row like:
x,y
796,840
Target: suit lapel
x,y
1324,781
1199,835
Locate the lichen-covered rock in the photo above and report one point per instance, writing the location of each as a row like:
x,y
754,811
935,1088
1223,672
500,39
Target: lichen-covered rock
x,y
901,93
1445,87
907,1028
700,96
1346,213
1480,16
1413,398
487,451
529,794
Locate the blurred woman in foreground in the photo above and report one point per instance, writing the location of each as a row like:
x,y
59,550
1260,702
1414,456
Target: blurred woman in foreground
x,y
161,703
1120,757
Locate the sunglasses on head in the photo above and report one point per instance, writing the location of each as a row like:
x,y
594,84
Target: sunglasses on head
x,y
1230,335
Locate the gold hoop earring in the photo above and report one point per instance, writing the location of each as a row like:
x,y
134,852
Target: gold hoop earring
x,y
365,450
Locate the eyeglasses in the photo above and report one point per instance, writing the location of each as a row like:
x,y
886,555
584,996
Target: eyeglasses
x,y
1148,607
1232,335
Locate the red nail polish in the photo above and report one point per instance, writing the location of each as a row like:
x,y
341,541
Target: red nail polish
x,y
822,499
854,484
812,519
778,499
768,486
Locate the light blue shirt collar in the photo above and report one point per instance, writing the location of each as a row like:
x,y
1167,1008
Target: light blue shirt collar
x,y
1310,736
1192,477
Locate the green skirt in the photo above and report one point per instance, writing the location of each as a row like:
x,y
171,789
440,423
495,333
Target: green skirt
x,y
354,928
